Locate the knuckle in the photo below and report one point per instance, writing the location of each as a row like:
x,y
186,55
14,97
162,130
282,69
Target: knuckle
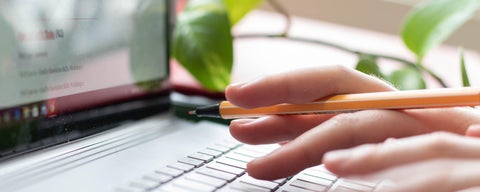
x,y
440,141
345,123
337,82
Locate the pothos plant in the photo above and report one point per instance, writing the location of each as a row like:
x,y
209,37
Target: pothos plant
x,y
203,42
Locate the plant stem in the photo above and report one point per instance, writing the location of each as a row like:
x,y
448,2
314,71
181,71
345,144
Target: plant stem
x,y
346,49
280,9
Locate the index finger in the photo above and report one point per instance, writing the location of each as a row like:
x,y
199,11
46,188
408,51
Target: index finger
x,y
373,157
303,86
342,131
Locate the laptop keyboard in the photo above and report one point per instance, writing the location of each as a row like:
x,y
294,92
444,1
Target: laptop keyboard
x,y
221,167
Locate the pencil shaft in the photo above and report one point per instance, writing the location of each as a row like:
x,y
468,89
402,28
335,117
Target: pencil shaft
x,y
429,98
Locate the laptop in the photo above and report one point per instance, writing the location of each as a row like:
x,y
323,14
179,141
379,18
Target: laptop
x,y
86,105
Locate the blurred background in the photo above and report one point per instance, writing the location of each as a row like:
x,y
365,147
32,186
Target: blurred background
x,y
378,15
371,26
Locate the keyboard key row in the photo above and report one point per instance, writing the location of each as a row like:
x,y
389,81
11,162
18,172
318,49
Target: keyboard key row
x,y
170,171
209,180
185,165
204,157
222,167
219,174
226,168
191,161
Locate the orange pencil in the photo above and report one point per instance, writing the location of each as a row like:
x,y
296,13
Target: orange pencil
x,y
412,99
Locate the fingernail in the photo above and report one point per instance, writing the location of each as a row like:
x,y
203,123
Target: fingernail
x,y
337,161
338,155
251,82
390,140
240,122
237,84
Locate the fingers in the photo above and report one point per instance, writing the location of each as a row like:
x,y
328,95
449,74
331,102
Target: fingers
x,y
274,129
441,175
341,131
303,86
455,120
374,157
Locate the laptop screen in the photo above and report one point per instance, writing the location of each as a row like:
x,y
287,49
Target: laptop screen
x,y
69,68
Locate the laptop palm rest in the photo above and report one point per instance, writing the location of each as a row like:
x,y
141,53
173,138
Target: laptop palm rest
x,y
111,158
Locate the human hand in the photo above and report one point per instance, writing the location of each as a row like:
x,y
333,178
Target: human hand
x,y
432,162
309,137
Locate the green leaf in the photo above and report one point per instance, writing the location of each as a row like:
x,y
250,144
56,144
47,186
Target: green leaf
x,y
465,81
203,44
237,9
368,65
407,78
433,21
